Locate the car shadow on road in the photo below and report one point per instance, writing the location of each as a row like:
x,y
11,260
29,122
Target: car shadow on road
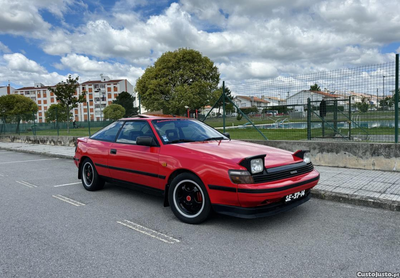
x,y
294,217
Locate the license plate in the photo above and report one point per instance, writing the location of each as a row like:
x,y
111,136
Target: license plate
x,y
295,196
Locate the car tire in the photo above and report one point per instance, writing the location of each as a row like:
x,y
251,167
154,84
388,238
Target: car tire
x,y
189,199
91,181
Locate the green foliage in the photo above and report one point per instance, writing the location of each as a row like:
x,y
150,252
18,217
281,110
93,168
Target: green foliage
x,y
65,93
248,110
126,100
14,108
114,112
178,79
56,112
215,99
386,102
363,105
315,87
12,105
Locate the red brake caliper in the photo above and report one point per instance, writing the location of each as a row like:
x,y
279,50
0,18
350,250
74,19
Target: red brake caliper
x,y
199,197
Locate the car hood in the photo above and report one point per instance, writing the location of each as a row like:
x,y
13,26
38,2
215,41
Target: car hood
x,y
236,151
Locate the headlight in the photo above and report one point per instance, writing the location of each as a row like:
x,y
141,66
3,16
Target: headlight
x,y
256,166
240,176
307,157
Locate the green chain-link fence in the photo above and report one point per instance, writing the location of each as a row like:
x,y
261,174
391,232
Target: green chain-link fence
x,y
27,124
361,104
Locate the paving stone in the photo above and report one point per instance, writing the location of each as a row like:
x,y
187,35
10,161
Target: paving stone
x,y
390,197
394,189
343,190
367,193
325,187
374,186
388,178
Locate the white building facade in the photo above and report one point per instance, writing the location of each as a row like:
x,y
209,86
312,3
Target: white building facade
x,y
99,94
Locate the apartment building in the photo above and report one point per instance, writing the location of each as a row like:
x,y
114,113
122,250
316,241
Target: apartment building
x,y
6,90
99,94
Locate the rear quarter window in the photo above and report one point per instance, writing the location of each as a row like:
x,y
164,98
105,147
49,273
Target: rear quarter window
x,y
109,133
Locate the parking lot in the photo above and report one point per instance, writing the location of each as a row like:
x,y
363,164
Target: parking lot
x,y
51,227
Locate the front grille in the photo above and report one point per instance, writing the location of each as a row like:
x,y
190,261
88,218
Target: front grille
x,y
284,172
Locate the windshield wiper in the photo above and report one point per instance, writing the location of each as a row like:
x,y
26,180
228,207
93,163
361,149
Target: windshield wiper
x,y
214,138
181,141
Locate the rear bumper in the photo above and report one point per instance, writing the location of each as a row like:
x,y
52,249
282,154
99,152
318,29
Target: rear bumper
x,y
262,211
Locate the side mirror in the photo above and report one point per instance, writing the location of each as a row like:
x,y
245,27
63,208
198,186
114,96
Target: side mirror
x,y
146,141
227,134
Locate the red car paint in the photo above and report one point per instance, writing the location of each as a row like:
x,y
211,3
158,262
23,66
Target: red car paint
x,y
211,161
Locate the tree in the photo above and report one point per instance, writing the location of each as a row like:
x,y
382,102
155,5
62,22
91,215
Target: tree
x,y
66,94
56,112
215,95
14,108
363,105
126,100
248,110
386,102
114,112
178,79
315,87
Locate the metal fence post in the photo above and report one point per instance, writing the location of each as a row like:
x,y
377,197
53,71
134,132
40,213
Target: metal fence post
x,y
223,104
335,117
57,127
88,114
396,102
350,118
34,123
308,119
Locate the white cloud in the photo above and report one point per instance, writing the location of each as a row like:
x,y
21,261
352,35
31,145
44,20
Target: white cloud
x,y
21,18
4,48
252,40
91,69
24,72
19,62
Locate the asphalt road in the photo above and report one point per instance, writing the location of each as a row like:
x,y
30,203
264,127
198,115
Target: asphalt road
x,y
51,227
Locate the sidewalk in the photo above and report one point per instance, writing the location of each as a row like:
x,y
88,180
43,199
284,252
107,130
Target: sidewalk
x,y
378,189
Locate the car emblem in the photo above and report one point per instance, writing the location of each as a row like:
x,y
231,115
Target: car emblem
x,y
293,172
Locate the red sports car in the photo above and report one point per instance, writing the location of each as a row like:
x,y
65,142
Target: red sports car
x,y
196,168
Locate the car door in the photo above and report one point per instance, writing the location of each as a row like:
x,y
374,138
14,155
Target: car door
x,y
100,144
133,163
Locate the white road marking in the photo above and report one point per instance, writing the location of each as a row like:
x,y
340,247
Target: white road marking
x,y
27,184
149,232
68,200
34,160
66,184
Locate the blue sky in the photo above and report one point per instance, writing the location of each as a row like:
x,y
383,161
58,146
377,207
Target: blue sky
x,y
45,40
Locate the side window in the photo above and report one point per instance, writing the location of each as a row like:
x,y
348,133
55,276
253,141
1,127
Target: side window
x,y
108,133
131,130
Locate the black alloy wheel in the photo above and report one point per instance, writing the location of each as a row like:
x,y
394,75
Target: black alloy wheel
x,y
91,181
189,199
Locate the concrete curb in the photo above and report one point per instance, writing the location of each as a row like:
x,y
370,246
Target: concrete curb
x,y
356,200
64,156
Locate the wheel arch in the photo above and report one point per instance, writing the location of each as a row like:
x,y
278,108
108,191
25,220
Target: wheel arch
x,y
170,179
83,158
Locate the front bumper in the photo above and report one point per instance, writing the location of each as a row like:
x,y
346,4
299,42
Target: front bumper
x,y
261,211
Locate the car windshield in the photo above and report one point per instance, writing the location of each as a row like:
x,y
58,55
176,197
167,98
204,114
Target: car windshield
x,y
185,130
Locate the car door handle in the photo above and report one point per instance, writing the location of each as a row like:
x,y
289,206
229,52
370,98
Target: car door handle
x,y
113,151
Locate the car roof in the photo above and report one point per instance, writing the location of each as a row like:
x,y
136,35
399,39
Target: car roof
x,y
152,117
